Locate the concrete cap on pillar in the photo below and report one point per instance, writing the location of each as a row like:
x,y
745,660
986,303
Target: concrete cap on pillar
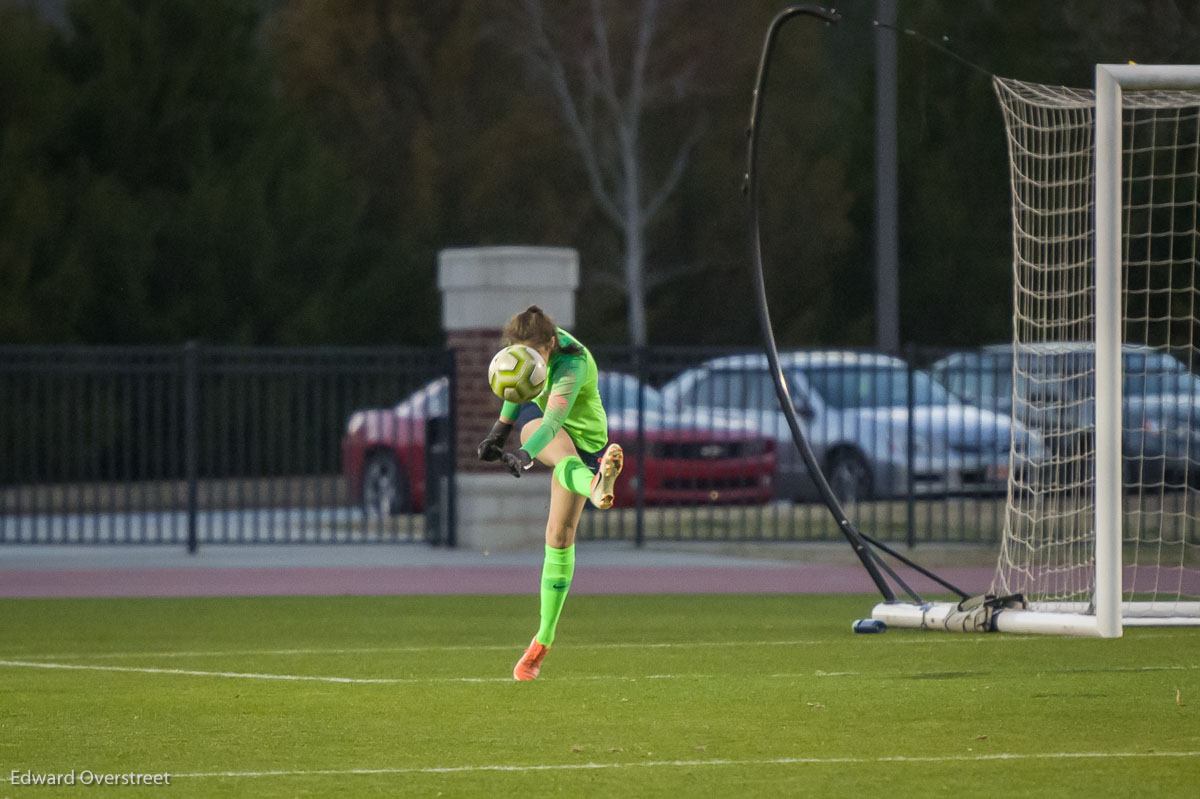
x,y
482,287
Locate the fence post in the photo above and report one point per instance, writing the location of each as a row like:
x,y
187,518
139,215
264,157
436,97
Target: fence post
x,y
909,497
639,516
191,448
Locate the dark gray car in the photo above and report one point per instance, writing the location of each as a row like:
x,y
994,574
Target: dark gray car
x,y
1052,387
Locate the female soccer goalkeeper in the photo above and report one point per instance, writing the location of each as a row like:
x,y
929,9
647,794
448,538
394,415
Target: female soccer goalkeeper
x,y
566,429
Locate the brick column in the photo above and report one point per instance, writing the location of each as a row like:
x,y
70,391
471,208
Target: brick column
x,y
477,406
482,287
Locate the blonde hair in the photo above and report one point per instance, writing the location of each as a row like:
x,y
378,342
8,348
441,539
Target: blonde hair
x,y
534,327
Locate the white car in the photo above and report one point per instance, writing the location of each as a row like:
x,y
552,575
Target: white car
x,y
868,436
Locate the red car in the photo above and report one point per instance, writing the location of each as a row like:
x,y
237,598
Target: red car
x,y
686,463
383,452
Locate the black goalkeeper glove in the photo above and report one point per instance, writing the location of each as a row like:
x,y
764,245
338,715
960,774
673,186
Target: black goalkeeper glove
x,y
517,462
492,447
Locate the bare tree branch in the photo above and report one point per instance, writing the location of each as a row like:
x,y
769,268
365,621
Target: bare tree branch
x,y
641,53
675,174
604,111
606,80
553,66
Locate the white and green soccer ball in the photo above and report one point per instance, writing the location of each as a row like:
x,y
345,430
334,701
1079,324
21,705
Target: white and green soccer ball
x,y
517,373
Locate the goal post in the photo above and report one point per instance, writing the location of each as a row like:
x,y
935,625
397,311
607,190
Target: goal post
x,y
1102,529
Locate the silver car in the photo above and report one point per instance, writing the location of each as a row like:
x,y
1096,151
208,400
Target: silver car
x,y
1160,409
854,408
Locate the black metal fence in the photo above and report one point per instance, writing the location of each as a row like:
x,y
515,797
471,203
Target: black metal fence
x,y
193,444
200,445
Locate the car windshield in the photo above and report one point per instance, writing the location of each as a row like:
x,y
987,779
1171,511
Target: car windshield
x,y
874,387
993,384
735,388
1060,376
1145,374
1161,383
432,399
976,379
620,393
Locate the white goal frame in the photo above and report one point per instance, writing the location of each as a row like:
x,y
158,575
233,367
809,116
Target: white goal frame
x,y
1107,614
1111,82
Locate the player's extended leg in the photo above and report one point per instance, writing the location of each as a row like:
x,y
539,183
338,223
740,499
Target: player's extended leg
x,y
558,568
573,474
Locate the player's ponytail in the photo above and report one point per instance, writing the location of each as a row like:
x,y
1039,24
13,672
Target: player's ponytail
x,y
532,326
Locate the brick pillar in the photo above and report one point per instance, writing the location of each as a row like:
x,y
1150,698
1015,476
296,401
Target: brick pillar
x,y
482,287
477,406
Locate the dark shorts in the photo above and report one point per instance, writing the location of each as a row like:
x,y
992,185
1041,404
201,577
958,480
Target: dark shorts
x,y
529,412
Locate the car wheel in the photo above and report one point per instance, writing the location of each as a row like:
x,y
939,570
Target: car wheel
x,y
385,490
849,476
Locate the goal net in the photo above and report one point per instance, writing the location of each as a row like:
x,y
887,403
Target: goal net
x,y
1102,524
1104,521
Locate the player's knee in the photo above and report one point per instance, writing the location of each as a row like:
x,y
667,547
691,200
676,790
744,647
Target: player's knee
x,y
560,535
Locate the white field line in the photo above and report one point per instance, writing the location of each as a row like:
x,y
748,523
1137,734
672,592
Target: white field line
x,y
240,675
779,761
489,648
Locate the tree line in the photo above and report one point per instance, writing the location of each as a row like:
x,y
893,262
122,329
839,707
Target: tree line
x,y
285,171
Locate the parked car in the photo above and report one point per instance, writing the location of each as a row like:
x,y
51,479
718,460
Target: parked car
x,y
384,452
854,408
687,462
1160,409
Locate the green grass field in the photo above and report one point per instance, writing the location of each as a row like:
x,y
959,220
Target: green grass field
x,y
677,696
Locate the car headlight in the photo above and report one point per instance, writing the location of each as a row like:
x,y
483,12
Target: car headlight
x,y
356,422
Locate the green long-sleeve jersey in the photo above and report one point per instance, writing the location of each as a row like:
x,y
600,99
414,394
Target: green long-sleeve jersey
x,y
569,401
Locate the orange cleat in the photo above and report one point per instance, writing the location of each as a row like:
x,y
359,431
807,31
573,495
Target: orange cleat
x,y
530,664
602,484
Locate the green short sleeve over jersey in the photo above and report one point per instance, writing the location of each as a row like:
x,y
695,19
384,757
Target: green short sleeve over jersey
x,y
569,401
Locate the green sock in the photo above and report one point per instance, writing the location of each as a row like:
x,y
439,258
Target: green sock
x,y
557,570
572,475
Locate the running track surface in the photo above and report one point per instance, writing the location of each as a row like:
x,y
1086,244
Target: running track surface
x,y
738,577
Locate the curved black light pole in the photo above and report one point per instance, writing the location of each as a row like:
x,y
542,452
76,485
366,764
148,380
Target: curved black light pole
x,y
858,541
851,533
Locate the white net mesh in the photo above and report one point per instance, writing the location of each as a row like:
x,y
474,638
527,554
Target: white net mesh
x,y
1049,540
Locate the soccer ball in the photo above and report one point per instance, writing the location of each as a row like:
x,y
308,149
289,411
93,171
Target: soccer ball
x,y
517,373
